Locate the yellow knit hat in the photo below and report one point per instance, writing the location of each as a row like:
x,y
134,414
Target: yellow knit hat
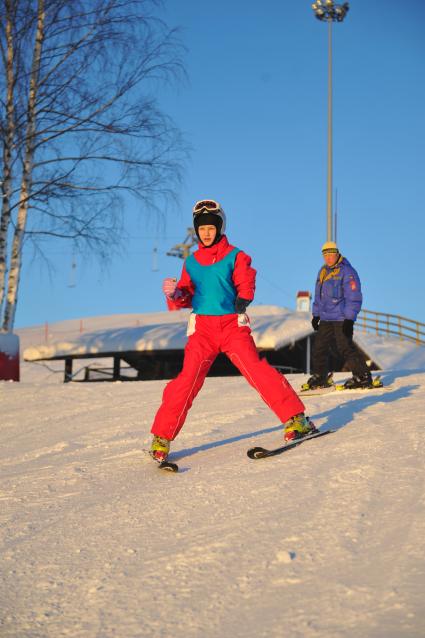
x,y
329,247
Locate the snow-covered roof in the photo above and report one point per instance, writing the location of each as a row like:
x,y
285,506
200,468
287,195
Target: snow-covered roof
x,y
390,352
273,327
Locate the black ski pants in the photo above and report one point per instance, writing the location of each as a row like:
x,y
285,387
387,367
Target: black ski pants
x,y
328,337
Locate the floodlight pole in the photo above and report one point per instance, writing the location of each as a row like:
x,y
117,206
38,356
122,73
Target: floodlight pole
x,y
330,154
328,11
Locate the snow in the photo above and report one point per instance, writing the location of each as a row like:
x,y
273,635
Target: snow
x,y
273,327
327,540
392,352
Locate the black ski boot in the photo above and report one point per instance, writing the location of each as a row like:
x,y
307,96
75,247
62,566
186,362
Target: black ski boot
x,y
359,381
316,381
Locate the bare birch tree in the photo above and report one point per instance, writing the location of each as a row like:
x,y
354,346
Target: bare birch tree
x,y
79,125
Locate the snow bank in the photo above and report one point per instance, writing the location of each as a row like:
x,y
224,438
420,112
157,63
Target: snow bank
x,y
390,352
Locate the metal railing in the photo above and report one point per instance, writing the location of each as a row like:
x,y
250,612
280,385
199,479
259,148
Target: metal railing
x,y
382,323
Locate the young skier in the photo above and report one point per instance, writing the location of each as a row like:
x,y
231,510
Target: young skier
x,y
218,283
337,302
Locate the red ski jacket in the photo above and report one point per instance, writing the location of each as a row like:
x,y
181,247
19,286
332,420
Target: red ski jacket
x,y
243,274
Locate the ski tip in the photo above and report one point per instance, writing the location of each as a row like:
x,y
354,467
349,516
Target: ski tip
x,y
256,452
168,467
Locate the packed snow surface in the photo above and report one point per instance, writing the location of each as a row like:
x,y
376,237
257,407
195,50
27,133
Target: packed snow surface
x,y
327,540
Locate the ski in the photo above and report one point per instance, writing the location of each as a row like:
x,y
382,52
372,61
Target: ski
x,y
316,392
342,390
168,466
261,452
340,387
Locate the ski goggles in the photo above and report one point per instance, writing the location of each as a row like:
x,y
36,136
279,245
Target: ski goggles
x,y
208,205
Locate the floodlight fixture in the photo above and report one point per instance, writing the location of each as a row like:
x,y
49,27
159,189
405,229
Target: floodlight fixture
x,y
329,11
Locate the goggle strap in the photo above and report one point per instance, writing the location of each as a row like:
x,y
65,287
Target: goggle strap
x,y
206,204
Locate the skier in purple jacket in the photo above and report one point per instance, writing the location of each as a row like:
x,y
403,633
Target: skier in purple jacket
x,y
337,302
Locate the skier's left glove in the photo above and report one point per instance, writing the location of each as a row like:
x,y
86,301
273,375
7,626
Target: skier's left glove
x,y
241,305
348,327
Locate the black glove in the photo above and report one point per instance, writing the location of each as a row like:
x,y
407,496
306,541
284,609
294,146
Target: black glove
x,y
347,328
315,323
241,305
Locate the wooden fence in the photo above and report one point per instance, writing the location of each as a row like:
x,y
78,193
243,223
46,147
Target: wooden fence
x,y
382,323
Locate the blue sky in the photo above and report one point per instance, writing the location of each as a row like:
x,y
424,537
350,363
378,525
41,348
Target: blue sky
x,y
254,111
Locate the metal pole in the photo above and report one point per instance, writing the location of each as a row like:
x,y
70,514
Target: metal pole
x,y
328,11
329,193
335,238
308,356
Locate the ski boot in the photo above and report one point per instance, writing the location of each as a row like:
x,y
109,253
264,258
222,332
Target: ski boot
x,y
159,448
360,381
298,427
317,381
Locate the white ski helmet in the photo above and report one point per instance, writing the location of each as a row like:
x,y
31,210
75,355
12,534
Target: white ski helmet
x,y
208,211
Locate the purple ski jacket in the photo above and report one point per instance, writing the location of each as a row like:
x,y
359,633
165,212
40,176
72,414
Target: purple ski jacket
x,y
338,294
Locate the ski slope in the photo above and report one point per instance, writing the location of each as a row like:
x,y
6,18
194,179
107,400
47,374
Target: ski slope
x,y
327,540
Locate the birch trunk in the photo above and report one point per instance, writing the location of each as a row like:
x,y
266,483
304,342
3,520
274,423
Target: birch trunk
x,y
6,187
16,259
74,77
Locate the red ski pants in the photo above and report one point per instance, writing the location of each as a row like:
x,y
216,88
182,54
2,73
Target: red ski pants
x,y
215,334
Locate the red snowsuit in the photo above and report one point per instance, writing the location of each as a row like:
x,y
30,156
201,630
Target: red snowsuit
x,y
229,333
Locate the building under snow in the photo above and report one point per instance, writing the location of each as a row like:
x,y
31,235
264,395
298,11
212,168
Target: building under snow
x,y
151,345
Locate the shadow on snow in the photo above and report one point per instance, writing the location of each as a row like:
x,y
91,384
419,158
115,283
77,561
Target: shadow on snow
x,y
343,414
214,444
337,418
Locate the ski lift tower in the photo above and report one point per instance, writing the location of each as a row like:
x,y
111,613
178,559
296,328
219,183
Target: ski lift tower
x,y
183,250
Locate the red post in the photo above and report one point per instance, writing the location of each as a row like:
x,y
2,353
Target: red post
x,y
9,357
